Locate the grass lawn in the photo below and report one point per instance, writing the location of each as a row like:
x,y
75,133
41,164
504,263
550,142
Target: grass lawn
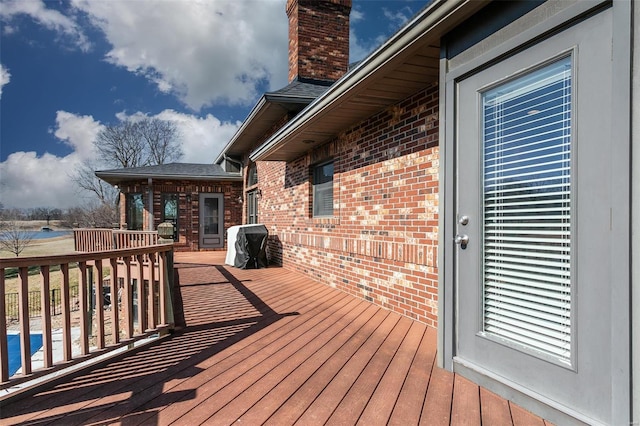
x,y
43,247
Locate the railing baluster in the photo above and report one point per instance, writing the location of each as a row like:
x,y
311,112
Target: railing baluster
x,y
45,303
151,305
162,290
127,299
4,350
115,308
25,334
99,306
67,354
82,299
142,310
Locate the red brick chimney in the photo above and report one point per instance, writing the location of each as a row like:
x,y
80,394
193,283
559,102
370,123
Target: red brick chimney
x,y
318,39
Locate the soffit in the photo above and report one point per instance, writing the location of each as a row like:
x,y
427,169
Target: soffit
x,y
269,110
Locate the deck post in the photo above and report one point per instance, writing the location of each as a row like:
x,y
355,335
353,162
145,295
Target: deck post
x,y
165,269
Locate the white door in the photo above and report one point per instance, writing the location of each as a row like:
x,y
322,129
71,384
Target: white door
x,y
211,220
533,220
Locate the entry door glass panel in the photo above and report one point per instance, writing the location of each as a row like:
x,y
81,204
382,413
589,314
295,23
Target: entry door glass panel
x,y
211,220
527,210
135,209
170,212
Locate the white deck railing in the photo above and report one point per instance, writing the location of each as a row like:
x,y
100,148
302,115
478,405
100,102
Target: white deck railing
x,y
134,279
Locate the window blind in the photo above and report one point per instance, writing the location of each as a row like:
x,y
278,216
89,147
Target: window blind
x,y
527,210
323,190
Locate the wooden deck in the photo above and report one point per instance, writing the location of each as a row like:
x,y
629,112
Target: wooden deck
x,y
270,346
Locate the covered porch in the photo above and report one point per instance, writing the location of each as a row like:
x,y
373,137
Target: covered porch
x,y
270,346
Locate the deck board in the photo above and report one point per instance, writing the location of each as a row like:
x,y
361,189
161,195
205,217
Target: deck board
x,y
353,404
387,390
298,403
270,346
465,409
409,405
437,405
495,410
293,384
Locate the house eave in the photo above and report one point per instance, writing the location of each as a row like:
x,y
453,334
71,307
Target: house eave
x,y
118,178
370,86
268,110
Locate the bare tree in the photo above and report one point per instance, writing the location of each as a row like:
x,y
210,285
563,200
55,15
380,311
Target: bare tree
x,y
145,142
121,145
13,238
101,215
161,140
85,177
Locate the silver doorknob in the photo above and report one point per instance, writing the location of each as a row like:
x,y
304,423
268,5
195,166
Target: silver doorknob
x,y
461,239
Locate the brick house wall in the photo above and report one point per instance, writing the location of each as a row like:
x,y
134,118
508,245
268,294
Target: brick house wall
x,y
188,205
381,243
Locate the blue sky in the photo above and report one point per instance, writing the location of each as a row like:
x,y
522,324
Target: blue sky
x,y
69,67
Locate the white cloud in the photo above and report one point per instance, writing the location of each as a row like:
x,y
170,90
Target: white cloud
x,y
360,49
399,17
79,132
29,180
356,15
32,180
5,77
51,19
204,52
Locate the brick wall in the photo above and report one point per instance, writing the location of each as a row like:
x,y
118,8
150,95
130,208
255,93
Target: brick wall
x,y
188,200
381,243
318,39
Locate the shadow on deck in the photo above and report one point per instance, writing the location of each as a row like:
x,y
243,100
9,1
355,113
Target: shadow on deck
x,y
271,346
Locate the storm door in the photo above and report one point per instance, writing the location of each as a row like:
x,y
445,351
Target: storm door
x,y
533,218
211,221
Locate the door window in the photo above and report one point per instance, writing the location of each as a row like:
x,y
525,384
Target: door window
x,y
211,222
527,210
135,209
170,212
